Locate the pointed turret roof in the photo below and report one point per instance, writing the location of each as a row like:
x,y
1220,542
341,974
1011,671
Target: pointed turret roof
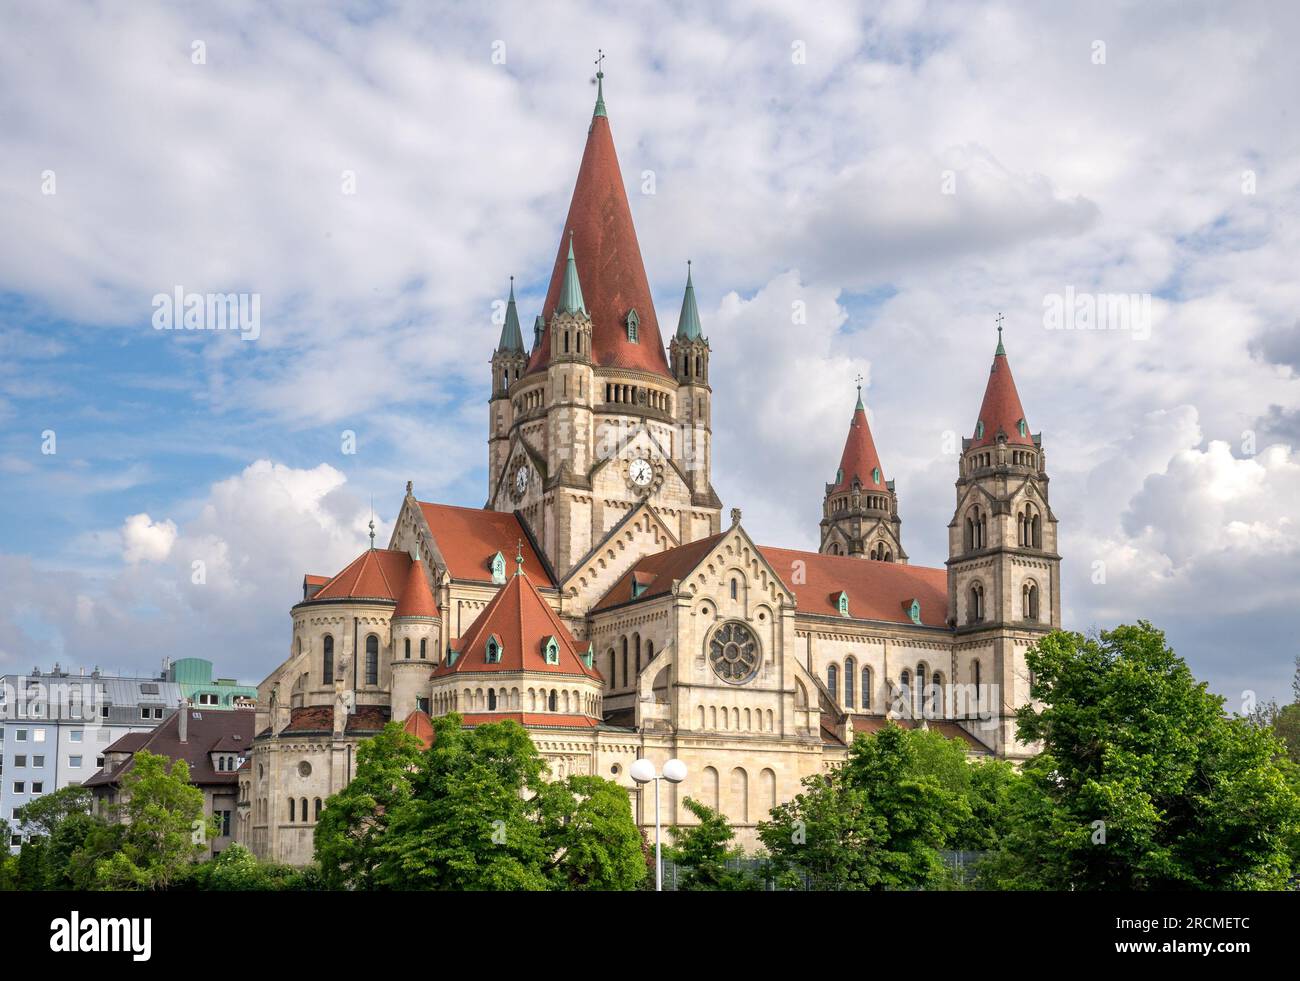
x,y
522,622
416,599
512,338
688,322
608,260
376,573
1001,410
859,458
570,300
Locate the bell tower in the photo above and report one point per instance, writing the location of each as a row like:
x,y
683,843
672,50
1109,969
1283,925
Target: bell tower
x,y
689,353
1004,571
860,509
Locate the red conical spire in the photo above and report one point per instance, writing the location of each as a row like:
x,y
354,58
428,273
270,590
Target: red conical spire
x,y
859,458
1001,410
416,599
608,261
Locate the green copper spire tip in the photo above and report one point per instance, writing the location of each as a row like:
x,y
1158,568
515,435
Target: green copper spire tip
x,y
512,338
600,86
1001,350
571,301
688,323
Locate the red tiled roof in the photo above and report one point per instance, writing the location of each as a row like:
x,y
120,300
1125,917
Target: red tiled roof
x,y
416,599
945,727
320,718
829,736
655,573
419,725
877,590
1001,409
522,622
467,538
544,720
859,458
207,731
610,269
377,573
310,580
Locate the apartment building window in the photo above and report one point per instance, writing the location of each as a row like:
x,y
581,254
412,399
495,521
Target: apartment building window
x,y
20,761
157,713
20,787
20,735
144,712
38,787
103,711
207,698
75,736
38,761
38,735
99,762
15,840
74,762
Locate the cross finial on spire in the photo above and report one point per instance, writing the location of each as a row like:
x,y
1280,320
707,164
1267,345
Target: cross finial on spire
x,y
600,84
859,382
519,557
1001,349
600,63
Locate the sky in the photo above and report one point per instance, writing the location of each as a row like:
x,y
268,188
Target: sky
x,y
861,189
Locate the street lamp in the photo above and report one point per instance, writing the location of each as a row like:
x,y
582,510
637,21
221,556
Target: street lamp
x,y
643,771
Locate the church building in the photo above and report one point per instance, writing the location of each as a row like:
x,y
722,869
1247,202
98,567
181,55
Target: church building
x,y
598,599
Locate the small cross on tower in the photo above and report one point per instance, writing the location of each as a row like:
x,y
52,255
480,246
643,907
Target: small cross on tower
x,y
1000,318
600,67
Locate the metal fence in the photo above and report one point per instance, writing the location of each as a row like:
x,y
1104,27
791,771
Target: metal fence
x,y
960,863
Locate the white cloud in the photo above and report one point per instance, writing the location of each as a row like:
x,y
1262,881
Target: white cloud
x,y
144,540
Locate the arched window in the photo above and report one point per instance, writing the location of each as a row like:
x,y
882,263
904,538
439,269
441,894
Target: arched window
x,y
735,589
1029,600
319,807
920,689
850,676
1037,536
372,660
305,816
551,701
625,674
292,804
969,539
649,651
492,654
833,681
866,688
937,701
636,652
492,699
408,648
975,611
905,688
423,642
327,661
979,685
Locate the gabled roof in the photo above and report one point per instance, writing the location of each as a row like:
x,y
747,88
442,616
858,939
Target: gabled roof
x,y
1001,409
467,538
877,590
608,264
377,573
320,718
654,574
859,458
521,621
416,599
945,727
207,731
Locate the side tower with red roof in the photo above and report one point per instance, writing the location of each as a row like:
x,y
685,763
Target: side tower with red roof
x,y
860,510
1004,572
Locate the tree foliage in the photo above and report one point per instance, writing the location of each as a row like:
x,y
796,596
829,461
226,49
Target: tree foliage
x,y
1142,782
701,852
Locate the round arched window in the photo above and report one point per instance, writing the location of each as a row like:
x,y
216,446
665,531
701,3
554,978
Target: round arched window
x,y
304,769
734,653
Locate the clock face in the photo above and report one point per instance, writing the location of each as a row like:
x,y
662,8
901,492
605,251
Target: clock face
x,y
641,472
521,480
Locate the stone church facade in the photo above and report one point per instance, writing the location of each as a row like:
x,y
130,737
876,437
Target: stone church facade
x,y
598,599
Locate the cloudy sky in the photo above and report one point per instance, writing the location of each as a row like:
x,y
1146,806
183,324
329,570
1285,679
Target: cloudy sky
x,y
902,172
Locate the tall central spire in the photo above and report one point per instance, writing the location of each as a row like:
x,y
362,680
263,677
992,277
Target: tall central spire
x,y
608,261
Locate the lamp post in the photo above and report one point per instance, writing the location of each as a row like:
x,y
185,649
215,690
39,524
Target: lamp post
x,y
643,772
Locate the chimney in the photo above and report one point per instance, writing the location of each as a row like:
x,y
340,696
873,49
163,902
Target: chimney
x,y
184,721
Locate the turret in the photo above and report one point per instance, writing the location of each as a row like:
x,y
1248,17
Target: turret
x,y
508,363
860,508
417,634
689,355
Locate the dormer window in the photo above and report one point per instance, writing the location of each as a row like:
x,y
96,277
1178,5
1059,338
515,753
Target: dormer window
x,y
498,565
875,474
842,603
589,656
1022,428
979,429
551,650
914,611
633,322
494,650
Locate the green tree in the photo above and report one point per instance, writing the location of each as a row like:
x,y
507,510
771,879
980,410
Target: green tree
x,y
701,852
44,814
875,822
355,821
591,836
1143,782
162,814
237,870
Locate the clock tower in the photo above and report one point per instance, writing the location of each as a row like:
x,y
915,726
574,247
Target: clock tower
x,y
595,421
